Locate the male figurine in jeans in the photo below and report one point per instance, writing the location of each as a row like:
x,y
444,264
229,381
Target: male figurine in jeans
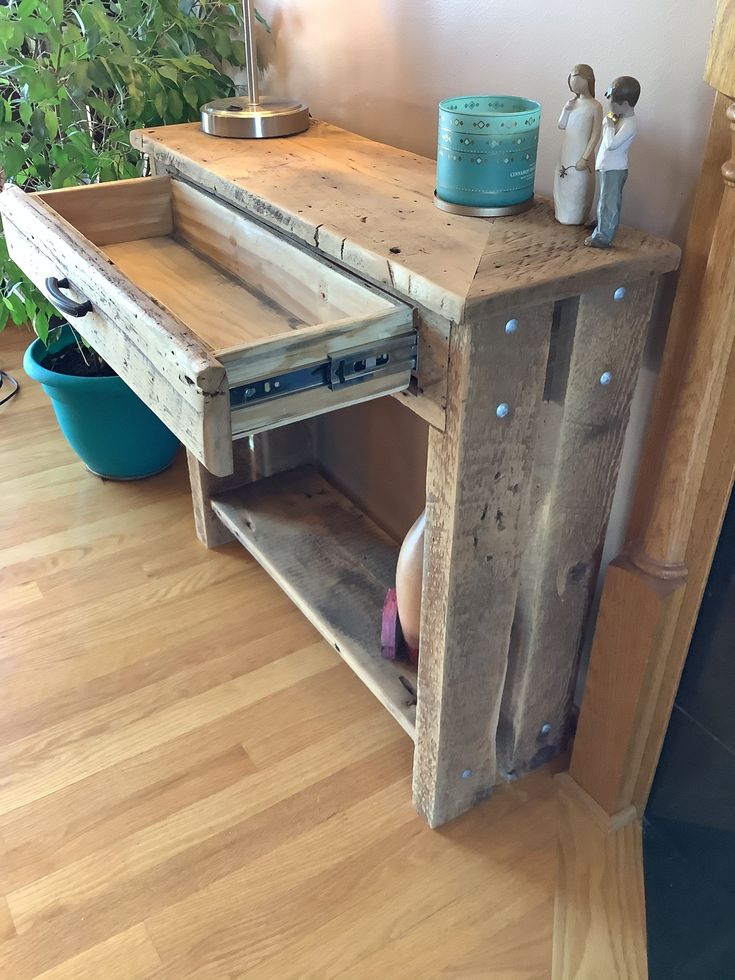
x,y
618,133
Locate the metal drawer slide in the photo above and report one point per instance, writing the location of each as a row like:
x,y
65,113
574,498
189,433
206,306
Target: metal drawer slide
x,y
393,356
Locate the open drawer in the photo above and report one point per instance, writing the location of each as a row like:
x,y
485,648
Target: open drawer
x,y
221,325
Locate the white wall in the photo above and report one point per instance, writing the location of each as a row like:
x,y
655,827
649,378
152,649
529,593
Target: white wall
x,y
379,67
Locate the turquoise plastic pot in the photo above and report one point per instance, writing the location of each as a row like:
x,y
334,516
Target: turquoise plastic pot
x,y
486,155
105,423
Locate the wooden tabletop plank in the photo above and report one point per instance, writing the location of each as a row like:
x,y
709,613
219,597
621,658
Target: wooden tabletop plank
x,y
370,206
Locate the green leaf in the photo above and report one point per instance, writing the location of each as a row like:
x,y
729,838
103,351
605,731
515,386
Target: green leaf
x,y
169,71
16,307
200,62
24,110
41,326
56,10
52,123
38,125
29,304
160,102
190,93
238,53
14,159
175,106
103,109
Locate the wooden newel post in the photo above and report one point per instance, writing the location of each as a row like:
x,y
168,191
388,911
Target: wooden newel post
x,y
632,651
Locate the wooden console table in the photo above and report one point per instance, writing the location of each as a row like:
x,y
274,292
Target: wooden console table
x,y
249,289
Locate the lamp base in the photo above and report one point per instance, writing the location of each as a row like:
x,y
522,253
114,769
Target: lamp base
x,y
238,118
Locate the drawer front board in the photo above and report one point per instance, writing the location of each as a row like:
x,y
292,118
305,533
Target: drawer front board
x,y
154,352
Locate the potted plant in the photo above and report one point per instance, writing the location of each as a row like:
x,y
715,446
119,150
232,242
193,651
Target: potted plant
x,y
75,78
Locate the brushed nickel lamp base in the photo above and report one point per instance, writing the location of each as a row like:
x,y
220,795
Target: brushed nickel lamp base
x,y
249,116
239,118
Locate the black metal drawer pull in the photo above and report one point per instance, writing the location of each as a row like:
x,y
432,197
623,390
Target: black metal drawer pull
x,y
63,303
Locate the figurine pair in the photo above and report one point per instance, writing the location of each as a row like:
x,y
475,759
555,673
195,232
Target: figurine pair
x,y
582,122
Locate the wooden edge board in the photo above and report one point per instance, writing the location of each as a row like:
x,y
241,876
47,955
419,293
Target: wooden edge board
x,y
528,293
116,211
333,562
599,912
308,345
606,822
263,416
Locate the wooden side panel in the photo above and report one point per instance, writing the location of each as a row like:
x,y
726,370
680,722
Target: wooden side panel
x,y
580,442
633,634
720,69
477,493
376,454
310,345
599,913
119,211
161,360
281,269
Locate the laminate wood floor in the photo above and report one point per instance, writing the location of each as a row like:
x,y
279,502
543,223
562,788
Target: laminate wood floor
x,y
192,784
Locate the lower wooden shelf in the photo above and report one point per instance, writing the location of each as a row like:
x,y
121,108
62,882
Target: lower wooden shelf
x,y
335,564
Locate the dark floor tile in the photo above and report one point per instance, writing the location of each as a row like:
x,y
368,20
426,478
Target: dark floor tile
x,y
695,779
707,689
690,916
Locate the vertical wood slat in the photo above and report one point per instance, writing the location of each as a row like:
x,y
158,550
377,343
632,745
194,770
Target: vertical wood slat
x,y
574,478
633,657
262,455
477,520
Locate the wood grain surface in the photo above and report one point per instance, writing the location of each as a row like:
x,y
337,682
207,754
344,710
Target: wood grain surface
x,y
477,497
372,207
582,424
599,915
334,563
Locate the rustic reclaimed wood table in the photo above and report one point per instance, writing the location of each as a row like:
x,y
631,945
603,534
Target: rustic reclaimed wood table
x,y
251,287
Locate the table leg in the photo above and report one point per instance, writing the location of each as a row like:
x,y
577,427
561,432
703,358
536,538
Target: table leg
x,y
255,457
478,481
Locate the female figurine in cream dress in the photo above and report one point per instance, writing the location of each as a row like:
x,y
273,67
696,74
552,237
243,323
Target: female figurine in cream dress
x,y
581,120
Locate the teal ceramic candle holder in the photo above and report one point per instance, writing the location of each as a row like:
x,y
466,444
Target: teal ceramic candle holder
x,y
486,157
